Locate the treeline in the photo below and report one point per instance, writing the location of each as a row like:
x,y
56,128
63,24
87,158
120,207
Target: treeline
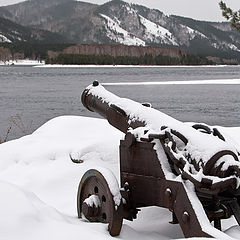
x,y
54,54
126,60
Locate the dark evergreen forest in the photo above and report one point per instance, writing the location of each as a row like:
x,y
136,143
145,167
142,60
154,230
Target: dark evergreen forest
x,y
125,60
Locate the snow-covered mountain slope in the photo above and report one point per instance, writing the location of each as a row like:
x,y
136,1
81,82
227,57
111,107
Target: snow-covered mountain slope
x,y
193,33
155,28
11,32
119,35
155,32
120,22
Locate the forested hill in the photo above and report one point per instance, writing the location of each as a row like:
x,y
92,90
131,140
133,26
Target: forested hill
x,y
118,22
11,32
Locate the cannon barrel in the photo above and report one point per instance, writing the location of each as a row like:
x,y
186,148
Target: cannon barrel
x,y
219,159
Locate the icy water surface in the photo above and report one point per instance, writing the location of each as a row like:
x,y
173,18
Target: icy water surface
x,y
39,94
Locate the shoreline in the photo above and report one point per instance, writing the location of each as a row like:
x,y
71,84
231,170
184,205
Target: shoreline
x,y
180,82
129,66
24,62
41,64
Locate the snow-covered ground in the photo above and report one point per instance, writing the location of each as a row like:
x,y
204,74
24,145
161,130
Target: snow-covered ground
x,y
23,62
185,82
38,184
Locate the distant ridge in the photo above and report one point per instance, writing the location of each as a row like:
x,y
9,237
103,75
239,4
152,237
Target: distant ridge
x,y
117,22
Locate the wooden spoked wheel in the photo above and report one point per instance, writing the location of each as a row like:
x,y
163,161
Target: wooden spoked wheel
x,y
95,202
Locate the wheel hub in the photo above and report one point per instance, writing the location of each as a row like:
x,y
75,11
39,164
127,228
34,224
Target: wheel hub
x,y
91,207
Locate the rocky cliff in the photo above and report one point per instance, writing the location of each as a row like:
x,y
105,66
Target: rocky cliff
x,y
122,50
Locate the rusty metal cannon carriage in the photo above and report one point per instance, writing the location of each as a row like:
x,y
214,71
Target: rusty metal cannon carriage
x,y
190,169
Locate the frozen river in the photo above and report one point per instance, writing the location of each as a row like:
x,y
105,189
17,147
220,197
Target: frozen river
x,y
40,94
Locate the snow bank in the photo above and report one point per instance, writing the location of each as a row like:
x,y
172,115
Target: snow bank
x,y
41,161
22,62
128,66
187,82
38,184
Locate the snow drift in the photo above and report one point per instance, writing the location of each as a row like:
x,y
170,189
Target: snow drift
x,y
38,183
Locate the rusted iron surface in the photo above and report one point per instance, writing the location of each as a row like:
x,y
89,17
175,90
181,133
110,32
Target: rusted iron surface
x,y
144,182
93,184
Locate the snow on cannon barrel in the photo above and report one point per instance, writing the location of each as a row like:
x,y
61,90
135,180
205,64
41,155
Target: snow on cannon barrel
x,y
188,168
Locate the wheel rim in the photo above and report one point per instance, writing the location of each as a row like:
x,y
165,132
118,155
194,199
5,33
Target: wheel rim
x,y
93,183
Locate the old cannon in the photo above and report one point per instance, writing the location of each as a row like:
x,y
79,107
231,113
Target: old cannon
x,y
190,169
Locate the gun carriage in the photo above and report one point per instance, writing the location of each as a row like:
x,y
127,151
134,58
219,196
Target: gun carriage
x,y
189,169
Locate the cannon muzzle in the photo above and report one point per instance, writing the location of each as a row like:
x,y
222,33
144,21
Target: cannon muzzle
x,y
96,99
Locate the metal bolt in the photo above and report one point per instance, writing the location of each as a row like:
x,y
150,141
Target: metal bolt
x,y
126,186
168,192
185,217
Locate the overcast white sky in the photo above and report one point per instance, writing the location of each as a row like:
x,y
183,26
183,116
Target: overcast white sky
x,y
197,9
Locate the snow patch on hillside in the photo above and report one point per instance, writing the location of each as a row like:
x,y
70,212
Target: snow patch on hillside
x,y
118,34
225,45
154,31
4,39
193,33
130,9
233,47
